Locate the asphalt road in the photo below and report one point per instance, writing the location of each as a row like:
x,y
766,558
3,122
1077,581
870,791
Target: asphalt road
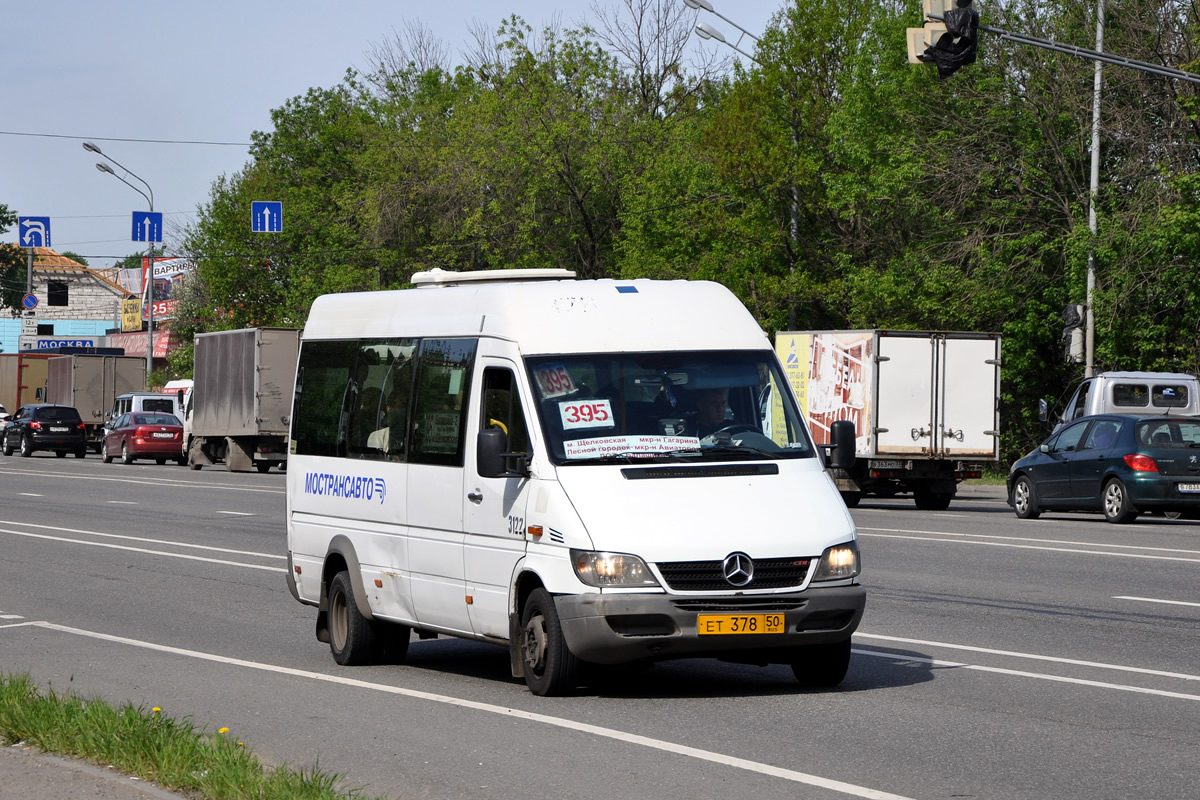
x,y
998,658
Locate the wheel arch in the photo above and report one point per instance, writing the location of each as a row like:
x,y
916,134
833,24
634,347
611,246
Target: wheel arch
x,y
341,556
524,584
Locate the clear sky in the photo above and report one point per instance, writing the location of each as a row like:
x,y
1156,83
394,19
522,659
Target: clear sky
x,y
158,86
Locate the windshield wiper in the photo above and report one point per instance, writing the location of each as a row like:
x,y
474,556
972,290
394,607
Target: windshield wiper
x,y
634,456
732,449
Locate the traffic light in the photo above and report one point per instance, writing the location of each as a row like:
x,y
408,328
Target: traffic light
x,y
1074,317
950,42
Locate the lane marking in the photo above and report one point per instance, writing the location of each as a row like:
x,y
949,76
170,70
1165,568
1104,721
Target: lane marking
x,y
1157,600
30,494
1120,687
144,550
161,482
169,542
507,712
1031,656
238,513
1033,547
122,502
1035,539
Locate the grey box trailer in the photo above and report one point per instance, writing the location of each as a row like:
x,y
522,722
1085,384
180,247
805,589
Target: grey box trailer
x,y
91,383
241,401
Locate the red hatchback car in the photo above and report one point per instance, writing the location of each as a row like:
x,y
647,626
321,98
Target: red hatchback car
x,y
144,434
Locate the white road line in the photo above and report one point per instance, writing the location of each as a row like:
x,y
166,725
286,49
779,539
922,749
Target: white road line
x,y
161,482
143,550
29,494
121,502
510,713
1120,687
1157,600
1037,540
11,616
1032,656
1032,547
238,513
59,529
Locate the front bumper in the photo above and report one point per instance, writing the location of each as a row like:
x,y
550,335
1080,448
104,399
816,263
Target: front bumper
x,y
622,628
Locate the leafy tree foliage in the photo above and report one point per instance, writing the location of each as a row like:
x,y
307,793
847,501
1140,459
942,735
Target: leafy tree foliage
x,y
829,184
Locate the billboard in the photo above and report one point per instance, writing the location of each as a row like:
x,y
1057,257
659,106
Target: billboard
x,y
168,274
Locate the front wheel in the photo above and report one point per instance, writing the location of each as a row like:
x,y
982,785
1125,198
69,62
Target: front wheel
x,y
263,466
851,499
1024,501
8,448
60,453
550,668
1117,508
352,640
822,666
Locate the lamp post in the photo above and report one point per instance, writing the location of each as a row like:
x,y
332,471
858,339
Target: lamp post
x,y
103,167
706,31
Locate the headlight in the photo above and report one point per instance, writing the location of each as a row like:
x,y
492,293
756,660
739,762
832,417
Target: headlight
x,y
611,569
838,562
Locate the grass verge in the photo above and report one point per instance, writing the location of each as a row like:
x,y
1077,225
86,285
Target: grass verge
x,y
151,746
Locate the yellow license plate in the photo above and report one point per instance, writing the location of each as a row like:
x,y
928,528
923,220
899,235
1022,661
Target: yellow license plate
x,y
725,624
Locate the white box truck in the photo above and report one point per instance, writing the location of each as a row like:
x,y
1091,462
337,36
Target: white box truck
x,y
241,400
925,406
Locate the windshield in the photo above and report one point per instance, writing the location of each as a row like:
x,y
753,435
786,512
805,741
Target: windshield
x,y
661,406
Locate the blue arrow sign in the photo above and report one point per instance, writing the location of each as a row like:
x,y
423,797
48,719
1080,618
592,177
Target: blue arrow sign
x,y
266,216
33,231
147,226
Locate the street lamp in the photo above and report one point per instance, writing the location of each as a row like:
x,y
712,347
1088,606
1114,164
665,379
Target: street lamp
x,y
706,31
103,167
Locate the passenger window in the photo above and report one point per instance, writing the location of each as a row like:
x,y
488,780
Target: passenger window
x,y
1078,402
501,408
443,379
1103,435
1068,440
319,427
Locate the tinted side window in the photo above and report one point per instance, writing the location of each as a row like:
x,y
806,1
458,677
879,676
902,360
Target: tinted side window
x,y
1078,403
1069,438
158,404
1131,394
319,426
443,380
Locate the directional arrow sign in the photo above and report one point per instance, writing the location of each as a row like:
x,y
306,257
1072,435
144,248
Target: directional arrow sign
x,y
147,226
266,216
34,231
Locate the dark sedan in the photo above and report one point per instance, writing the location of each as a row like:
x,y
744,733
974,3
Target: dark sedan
x,y
144,434
1115,464
42,426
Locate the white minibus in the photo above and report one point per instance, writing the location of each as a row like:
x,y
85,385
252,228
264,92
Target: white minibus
x,y
588,473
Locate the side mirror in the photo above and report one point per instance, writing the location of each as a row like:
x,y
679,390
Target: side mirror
x,y
842,437
1043,410
491,459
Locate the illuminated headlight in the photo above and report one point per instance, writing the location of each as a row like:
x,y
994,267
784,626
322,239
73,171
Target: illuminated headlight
x,y
611,569
838,562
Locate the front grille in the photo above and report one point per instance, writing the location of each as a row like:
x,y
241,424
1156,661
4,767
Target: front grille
x,y
707,576
738,605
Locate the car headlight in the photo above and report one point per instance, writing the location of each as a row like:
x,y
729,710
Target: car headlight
x,y
611,569
838,562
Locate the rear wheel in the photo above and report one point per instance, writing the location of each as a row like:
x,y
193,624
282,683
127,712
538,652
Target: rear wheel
x,y
1024,501
26,446
352,640
822,666
1117,507
550,668
126,458
105,456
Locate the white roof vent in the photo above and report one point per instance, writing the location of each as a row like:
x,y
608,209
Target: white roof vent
x,y
440,277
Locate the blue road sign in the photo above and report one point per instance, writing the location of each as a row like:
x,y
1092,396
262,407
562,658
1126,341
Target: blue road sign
x,y
147,226
266,216
29,301
33,231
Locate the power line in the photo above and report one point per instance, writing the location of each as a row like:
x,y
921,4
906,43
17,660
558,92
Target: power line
x,y
121,139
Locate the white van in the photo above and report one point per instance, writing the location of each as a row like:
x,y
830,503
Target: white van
x,y
519,458
144,401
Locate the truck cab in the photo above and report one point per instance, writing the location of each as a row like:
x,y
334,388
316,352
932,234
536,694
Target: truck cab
x,y
1130,393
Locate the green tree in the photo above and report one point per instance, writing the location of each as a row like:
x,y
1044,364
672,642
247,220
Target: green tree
x,y
13,265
